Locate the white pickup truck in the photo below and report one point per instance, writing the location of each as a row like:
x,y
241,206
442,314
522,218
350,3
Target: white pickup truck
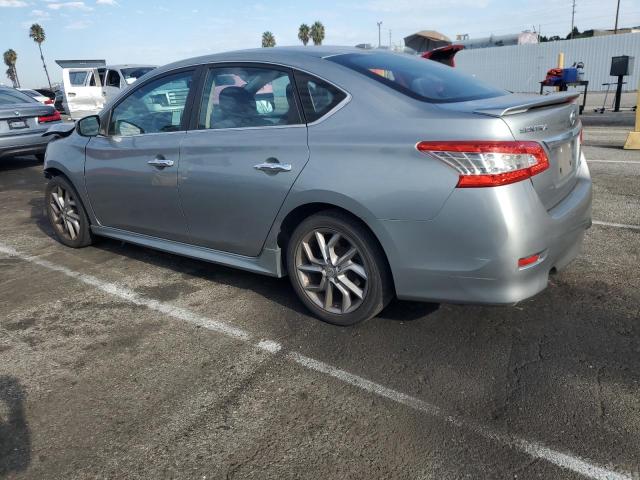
x,y
88,84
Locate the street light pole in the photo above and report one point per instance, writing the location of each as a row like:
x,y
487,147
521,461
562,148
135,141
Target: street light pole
x,y
573,15
379,37
615,30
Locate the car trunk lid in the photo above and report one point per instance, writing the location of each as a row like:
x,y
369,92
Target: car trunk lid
x,y
551,120
23,118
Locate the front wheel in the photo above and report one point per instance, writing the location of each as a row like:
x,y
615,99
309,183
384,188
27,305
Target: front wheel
x,y
67,214
338,269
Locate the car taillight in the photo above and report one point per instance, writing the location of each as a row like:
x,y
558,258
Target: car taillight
x,y
489,164
48,101
54,117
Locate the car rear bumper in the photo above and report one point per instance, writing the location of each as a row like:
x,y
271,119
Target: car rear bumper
x,y
469,253
24,144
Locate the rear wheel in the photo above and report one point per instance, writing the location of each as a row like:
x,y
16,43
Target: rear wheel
x,y
67,214
338,269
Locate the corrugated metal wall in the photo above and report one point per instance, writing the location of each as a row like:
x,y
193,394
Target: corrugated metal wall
x,y
520,67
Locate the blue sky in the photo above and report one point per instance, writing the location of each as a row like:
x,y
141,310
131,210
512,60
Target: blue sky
x,y
161,31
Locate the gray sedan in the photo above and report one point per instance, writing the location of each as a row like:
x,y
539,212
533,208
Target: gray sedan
x,y
23,120
362,175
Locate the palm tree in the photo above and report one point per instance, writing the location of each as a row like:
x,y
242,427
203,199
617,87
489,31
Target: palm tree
x,y
11,75
36,32
268,40
303,34
317,33
10,59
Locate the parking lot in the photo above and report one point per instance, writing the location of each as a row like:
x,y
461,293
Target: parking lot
x,y
122,362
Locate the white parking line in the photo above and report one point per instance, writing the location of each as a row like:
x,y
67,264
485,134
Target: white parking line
x,y
616,225
534,449
630,162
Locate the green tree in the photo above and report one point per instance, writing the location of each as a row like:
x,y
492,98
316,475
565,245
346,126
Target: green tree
x,y
36,32
10,59
317,33
303,34
268,40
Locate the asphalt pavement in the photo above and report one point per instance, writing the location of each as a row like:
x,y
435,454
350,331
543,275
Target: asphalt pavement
x,y
122,362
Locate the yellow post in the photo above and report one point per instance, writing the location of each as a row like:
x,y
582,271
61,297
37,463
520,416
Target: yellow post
x,y
561,60
633,140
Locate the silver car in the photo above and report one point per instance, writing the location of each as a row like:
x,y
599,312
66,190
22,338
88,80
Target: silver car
x,y
23,120
362,175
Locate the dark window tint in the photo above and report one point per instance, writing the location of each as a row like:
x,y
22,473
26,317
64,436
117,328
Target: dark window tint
x,y
12,97
239,97
417,77
155,107
113,79
318,97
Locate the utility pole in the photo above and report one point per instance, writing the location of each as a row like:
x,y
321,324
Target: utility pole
x,y
379,37
615,30
573,15
389,39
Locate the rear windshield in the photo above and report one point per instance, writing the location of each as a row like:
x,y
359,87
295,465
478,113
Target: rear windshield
x,y
417,77
12,97
132,74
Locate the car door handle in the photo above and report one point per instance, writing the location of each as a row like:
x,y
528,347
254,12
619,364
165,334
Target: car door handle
x,y
273,167
161,162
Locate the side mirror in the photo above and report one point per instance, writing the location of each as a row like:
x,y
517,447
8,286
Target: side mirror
x,y
89,126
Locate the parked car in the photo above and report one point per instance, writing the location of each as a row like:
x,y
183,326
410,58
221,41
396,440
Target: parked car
x,y
37,96
88,84
369,174
23,120
47,92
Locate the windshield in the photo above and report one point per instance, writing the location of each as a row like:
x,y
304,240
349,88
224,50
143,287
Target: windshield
x,y
132,74
12,97
417,77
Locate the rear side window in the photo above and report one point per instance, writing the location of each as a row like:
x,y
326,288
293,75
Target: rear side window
x,y
77,79
417,77
318,97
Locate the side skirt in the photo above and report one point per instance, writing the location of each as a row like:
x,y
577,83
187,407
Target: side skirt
x,y
269,262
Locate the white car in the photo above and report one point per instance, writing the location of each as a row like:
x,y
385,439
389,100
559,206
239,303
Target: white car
x,y
88,84
37,96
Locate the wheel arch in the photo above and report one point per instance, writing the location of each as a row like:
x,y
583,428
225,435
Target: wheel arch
x,y
297,214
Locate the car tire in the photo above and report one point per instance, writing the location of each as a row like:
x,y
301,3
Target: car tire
x,y
66,213
350,282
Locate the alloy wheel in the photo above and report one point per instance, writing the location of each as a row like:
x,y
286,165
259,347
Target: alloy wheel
x,y
64,210
331,271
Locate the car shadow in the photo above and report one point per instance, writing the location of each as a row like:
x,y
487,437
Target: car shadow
x,y
18,163
15,437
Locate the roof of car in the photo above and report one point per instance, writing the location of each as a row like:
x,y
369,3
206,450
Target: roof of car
x,y
130,65
286,55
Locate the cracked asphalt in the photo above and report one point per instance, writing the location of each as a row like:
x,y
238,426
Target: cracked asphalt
x,y
95,386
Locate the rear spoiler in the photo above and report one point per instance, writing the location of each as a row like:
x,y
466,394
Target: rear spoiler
x,y
527,103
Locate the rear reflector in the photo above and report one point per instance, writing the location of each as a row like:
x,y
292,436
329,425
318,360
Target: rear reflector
x,y
54,117
489,164
526,261
48,102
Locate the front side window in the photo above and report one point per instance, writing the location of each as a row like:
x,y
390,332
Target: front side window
x,y
238,97
423,79
155,107
318,97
